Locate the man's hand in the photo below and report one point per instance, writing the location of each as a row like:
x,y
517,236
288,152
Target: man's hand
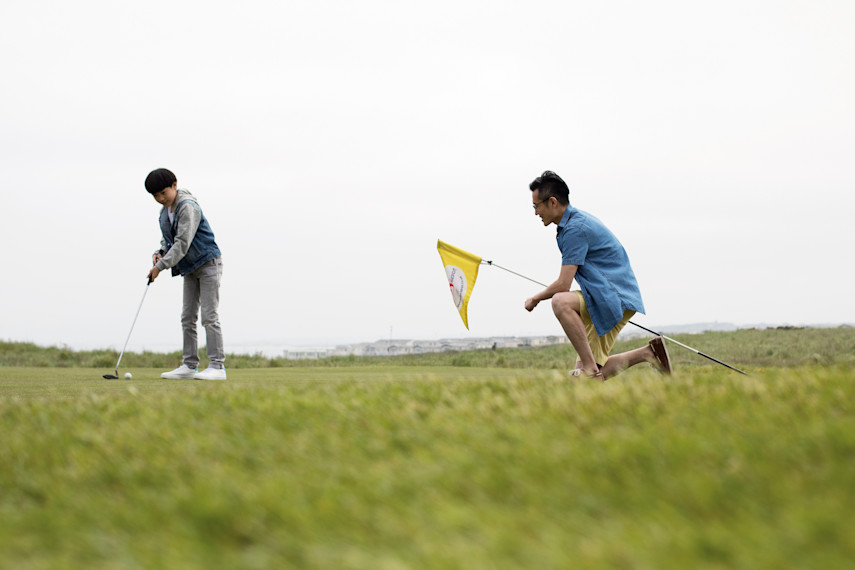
x,y
565,279
155,258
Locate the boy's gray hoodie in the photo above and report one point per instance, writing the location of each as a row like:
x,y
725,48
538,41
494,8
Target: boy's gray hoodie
x,y
189,216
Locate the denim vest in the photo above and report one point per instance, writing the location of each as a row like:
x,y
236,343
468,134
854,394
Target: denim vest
x,y
202,249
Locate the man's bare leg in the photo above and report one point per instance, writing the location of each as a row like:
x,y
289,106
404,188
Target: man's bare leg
x,y
620,362
568,310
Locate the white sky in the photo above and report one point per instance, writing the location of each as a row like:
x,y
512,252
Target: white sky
x,y
331,144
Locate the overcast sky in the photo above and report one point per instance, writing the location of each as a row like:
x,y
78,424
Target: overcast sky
x,y
330,144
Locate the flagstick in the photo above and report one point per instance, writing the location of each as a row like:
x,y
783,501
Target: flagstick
x,y
696,351
514,272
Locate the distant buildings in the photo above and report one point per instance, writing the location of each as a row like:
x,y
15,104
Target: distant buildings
x,y
397,347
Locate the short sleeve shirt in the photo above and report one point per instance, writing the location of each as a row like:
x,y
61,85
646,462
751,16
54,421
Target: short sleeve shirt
x,y
605,276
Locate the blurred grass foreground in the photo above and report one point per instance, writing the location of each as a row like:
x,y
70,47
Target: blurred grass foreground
x,y
397,464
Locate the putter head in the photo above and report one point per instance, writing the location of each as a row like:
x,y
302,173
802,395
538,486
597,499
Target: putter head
x,y
111,377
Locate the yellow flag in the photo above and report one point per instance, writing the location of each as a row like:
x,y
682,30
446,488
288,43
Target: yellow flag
x,y
461,267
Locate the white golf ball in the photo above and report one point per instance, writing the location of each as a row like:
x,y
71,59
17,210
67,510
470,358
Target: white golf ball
x,y
128,376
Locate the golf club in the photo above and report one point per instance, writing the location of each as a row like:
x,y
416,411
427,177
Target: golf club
x,y
115,376
698,352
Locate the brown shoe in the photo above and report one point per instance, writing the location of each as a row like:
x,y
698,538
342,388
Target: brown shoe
x,y
663,361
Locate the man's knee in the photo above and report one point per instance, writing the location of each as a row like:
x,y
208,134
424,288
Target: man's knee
x,y
562,302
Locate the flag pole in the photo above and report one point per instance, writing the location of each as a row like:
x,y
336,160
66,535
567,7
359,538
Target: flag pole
x,y
696,351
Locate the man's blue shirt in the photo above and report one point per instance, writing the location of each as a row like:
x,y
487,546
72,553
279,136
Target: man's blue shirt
x,y
605,276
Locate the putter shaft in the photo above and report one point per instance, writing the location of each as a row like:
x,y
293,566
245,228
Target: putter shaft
x,y
115,375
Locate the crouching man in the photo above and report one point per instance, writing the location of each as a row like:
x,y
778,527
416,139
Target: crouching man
x,y
608,297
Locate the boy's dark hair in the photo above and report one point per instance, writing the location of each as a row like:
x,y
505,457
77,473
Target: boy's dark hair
x,y
159,179
550,184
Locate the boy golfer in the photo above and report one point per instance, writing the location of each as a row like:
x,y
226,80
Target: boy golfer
x,y
609,296
189,249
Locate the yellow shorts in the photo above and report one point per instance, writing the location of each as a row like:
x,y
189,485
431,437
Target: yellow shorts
x,y
601,346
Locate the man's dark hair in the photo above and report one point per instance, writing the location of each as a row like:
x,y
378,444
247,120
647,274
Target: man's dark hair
x,y
550,184
159,179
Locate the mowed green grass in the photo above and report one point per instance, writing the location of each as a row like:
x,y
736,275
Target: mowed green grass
x,y
427,467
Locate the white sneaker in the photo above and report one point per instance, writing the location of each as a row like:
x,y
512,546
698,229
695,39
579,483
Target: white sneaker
x,y
183,372
211,374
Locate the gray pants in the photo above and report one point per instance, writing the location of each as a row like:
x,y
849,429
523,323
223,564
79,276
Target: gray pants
x,y
202,289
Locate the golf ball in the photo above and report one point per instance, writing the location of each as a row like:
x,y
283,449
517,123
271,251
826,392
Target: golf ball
x,y
128,376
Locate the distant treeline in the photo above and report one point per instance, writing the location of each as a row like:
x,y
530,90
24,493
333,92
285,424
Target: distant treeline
x,y
747,348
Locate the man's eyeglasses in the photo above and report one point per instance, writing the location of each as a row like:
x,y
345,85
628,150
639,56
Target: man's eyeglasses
x,y
536,204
